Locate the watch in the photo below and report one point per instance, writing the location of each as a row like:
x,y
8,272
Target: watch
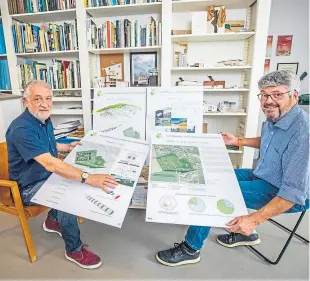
x,y
240,141
84,177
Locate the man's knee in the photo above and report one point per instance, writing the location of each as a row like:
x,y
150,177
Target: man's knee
x,y
64,217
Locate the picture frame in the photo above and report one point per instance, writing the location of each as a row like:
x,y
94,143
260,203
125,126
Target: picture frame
x,y
143,69
291,66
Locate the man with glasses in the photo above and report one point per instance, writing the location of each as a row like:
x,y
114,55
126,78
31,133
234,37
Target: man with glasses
x,y
32,151
280,182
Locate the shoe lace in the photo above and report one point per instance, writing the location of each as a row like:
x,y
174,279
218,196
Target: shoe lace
x,y
84,249
232,237
177,249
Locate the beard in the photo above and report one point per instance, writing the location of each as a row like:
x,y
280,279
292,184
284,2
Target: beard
x,y
40,118
278,116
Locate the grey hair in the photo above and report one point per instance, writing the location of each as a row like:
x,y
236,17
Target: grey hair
x,y
28,87
280,78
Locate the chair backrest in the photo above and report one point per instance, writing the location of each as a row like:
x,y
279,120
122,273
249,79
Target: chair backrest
x,y
4,163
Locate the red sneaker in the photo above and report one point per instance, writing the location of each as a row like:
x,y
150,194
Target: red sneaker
x,y
84,258
50,225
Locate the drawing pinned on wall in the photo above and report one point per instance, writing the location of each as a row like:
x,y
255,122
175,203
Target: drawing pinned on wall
x,y
284,45
225,206
177,110
178,164
196,204
168,203
120,113
269,46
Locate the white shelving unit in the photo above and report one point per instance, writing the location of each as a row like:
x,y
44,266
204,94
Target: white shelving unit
x,y
225,114
211,37
229,68
53,16
125,10
124,50
208,48
48,55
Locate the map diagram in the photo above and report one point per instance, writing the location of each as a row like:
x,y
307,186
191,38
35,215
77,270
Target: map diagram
x,y
177,164
168,203
118,115
196,204
225,206
99,157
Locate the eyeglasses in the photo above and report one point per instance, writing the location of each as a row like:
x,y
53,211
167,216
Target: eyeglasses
x,y
274,96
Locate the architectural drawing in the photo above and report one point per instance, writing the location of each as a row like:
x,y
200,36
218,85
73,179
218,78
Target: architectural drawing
x,y
120,112
189,176
98,154
172,163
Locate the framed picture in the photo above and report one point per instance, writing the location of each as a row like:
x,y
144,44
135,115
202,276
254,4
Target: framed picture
x,y
293,66
143,69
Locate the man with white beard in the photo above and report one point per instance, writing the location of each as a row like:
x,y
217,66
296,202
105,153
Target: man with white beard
x,y
280,182
32,151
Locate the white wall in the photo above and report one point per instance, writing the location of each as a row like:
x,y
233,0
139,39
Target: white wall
x,y
290,17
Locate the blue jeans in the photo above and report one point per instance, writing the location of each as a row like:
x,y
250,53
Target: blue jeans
x,y
68,223
256,193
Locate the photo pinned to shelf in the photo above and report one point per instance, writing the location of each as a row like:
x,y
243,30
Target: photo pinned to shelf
x,y
143,69
291,66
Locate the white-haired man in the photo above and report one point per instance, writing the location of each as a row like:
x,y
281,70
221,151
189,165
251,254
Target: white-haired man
x,y
280,182
32,151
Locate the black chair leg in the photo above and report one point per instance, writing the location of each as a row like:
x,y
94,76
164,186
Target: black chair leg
x,y
292,234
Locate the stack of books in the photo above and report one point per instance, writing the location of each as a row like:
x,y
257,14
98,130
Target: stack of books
x,y
30,38
35,6
5,82
99,3
60,75
64,129
123,33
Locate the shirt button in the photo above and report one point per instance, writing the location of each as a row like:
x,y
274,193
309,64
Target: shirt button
x,y
272,133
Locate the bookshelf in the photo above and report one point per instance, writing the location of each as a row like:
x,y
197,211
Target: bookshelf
x,y
208,48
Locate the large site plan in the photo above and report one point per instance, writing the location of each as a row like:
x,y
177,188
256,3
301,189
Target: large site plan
x,y
120,113
192,181
98,154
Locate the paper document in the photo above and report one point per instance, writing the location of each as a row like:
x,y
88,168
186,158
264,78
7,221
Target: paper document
x,y
177,109
98,154
192,181
120,112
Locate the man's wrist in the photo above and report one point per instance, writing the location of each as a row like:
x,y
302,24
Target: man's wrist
x,y
257,217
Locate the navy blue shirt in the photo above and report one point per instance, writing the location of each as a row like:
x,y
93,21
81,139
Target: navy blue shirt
x,y
26,138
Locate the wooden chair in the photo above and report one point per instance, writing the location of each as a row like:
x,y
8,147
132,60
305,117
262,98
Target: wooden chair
x,y
15,207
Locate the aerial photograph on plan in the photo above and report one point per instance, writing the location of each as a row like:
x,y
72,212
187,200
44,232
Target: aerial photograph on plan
x,y
177,164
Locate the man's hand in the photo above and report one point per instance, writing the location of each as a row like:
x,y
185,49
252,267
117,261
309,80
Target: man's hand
x,y
102,181
230,139
244,225
73,145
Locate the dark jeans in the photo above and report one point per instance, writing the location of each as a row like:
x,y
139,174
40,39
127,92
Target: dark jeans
x,y
68,223
256,193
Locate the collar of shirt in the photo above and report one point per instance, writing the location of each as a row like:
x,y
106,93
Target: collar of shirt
x,y
31,118
285,122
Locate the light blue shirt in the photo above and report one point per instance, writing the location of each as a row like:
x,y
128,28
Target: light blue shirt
x,y
284,155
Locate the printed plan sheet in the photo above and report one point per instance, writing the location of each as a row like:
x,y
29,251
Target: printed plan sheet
x,y
192,181
120,112
98,154
177,109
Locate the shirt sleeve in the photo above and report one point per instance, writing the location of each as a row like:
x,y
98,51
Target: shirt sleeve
x,y
295,165
28,143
